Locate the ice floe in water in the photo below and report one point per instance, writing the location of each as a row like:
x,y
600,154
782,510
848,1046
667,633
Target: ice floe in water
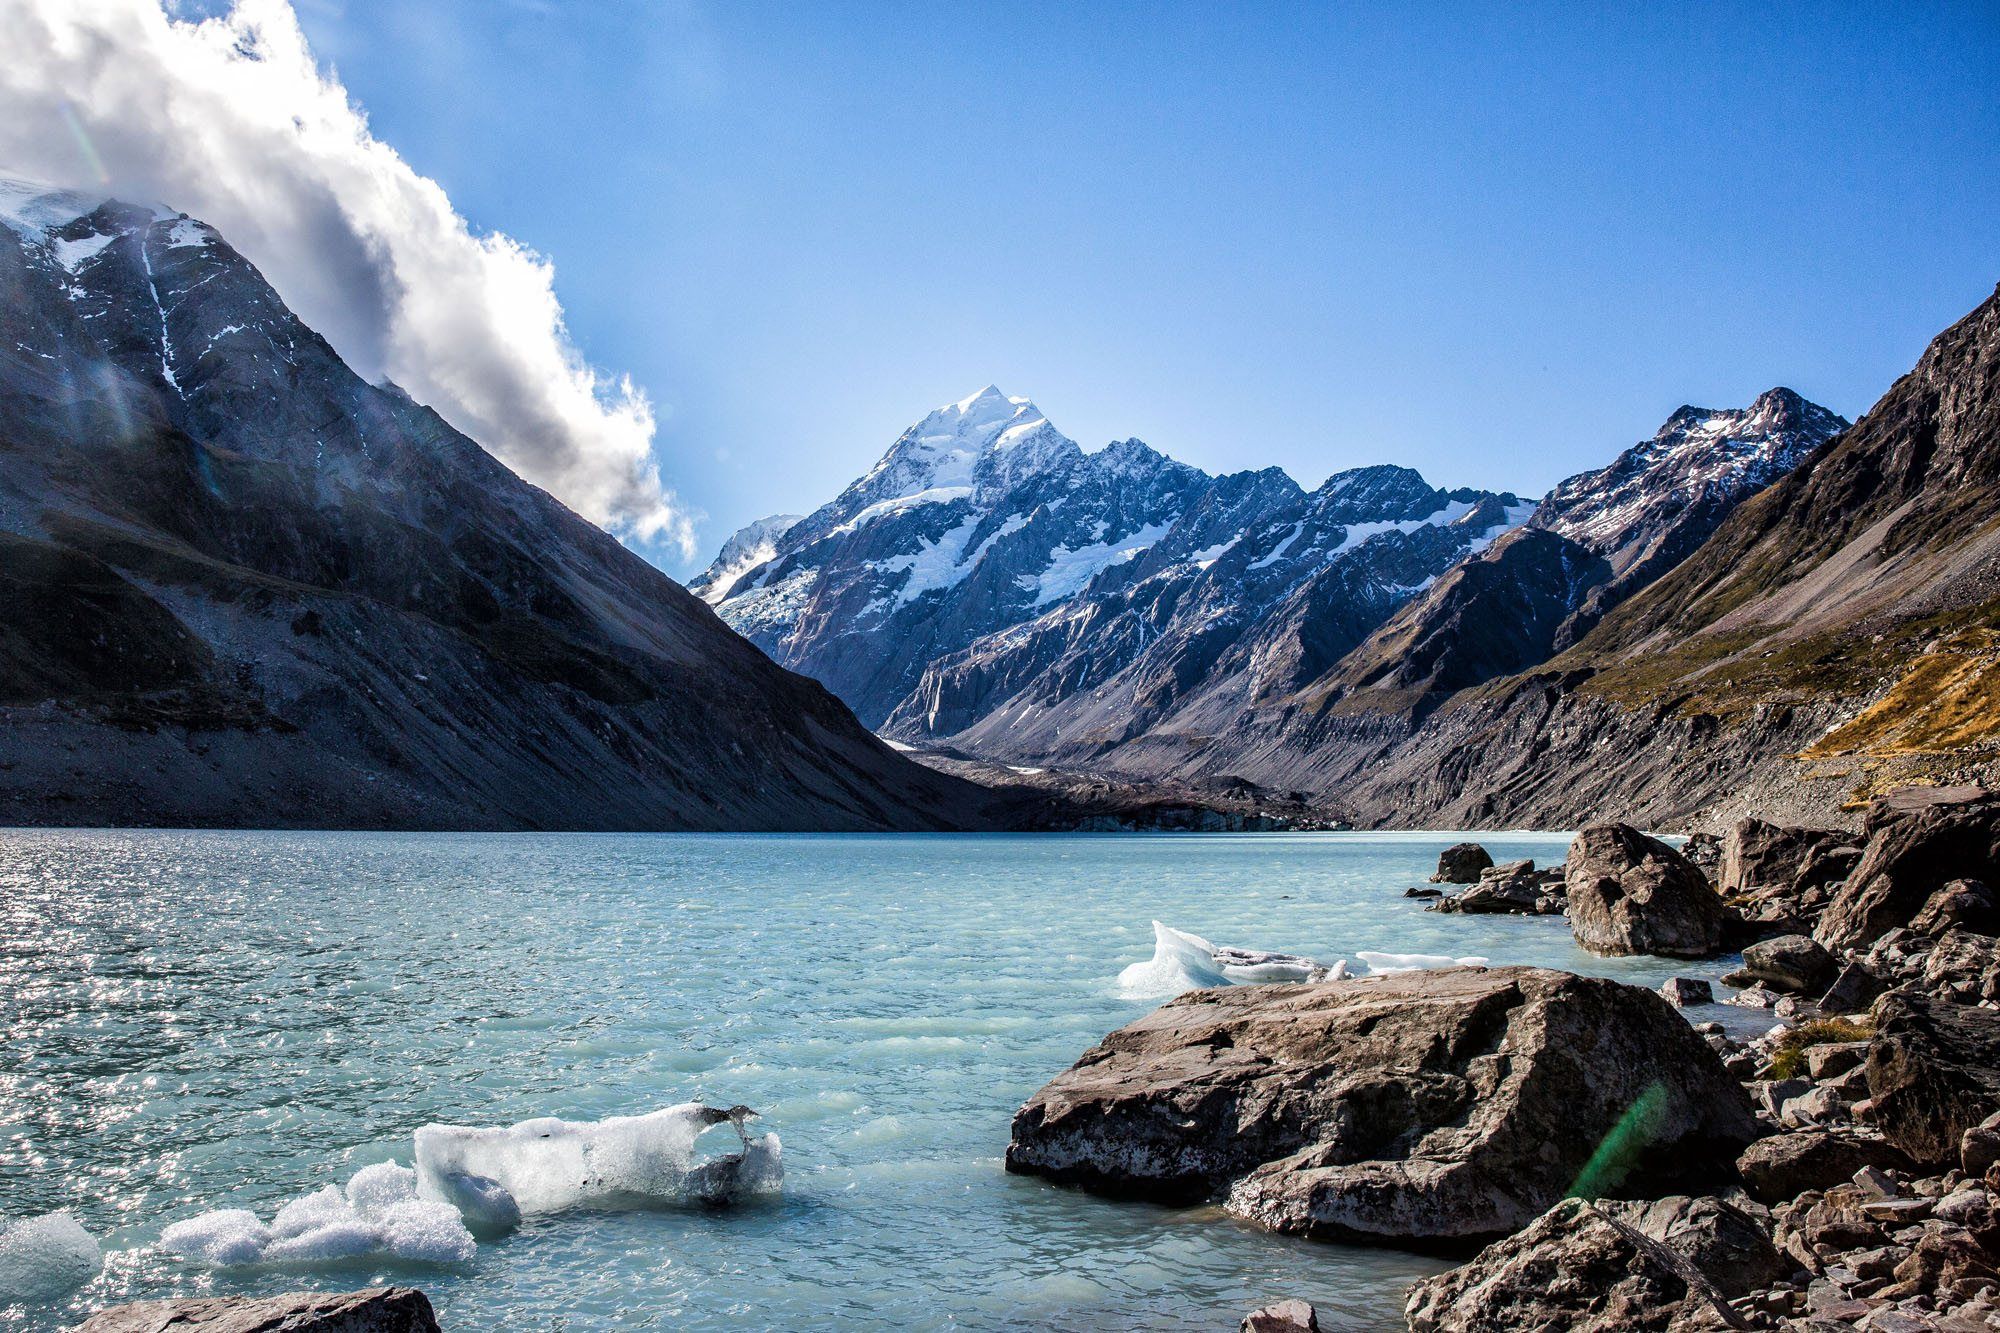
x,y
1184,962
480,1182
45,1258
546,1166
1379,963
379,1215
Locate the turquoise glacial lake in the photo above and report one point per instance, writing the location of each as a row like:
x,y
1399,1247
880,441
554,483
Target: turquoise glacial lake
x,y
204,1020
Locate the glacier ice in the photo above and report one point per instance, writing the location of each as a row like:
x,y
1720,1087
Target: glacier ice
x,y
1184,962
45,1258
549,1165
378,1215
1380,963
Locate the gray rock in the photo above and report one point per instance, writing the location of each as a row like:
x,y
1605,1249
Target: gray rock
x,y
1578,1268
376,1310
1917,839
1293,1316
1794,964
1965,904
1831,1059
1782,1167
1933,1074
1979,1147
1514,889
1423,1105
1731,1247
1462,863
1853,990
1684,991
1758,855
1629,893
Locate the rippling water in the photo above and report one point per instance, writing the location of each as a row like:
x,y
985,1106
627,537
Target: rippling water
x,y
200,1020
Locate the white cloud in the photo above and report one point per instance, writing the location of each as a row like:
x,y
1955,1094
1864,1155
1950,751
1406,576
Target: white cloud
x,y
230,119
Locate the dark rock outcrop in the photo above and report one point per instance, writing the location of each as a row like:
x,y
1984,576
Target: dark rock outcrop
x,y
1580,1267
1462,863
1629,893
1917,839
1422,1106
376,1310
1933,1073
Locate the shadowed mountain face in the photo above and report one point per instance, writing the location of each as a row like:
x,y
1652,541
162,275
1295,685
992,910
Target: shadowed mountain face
x,y
241,586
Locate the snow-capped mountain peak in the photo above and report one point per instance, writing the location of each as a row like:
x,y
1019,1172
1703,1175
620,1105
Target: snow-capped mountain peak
x,y
1699,464
752,545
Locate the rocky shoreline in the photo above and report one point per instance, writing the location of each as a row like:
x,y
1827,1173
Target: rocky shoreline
x,y
1621,1167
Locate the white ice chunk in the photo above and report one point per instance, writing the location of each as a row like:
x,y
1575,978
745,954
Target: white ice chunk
x,y
224,1238
1184,962
488,1209
45,1258
377,1215
1381,963
625,1161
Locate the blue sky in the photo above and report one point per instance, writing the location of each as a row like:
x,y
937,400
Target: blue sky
x,y
1493,246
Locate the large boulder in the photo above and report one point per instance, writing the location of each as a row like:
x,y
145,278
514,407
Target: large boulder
x,y
1758,855
1461,863
1933,1074
1917,839
376,1310
1582,1268
1629,893
1432,1105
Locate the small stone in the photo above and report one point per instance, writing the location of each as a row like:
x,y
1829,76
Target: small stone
x,y
1877,1182
1897,1212
1831,1059
1684,991
1293,1316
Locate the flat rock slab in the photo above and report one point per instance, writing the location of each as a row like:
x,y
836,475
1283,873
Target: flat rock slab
x,y
376,1310
1421,1106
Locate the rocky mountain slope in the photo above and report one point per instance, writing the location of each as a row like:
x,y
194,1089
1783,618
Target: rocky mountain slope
x,y
1138,676
1596,539
986,559
241,586
1839,633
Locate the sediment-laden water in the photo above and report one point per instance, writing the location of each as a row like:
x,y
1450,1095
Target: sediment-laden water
x,y
195,1021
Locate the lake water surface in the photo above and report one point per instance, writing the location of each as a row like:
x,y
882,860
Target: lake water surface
x,y
200,1020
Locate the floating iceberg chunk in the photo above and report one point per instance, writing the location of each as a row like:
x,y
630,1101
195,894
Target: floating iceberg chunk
x,y
486,1206
546,1166
1380,963
378,1215
45,1258
1184,962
